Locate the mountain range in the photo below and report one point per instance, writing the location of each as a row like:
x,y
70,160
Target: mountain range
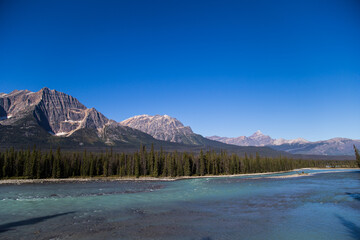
x,y
334,146
49,118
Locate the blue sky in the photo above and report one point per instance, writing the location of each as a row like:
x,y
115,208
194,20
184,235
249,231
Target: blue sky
x,y
228,68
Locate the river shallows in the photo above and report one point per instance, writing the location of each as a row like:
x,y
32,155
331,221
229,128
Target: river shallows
x,y
321,206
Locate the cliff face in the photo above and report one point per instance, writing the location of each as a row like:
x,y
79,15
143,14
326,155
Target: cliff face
x,y
58,113
17,103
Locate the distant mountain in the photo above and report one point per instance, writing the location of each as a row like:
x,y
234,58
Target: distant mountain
x,y
335,146
257,139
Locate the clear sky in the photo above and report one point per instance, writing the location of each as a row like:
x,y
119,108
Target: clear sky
x,y
228,68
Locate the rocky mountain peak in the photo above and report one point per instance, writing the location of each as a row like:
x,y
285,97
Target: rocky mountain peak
x,y
257,133
17,103
257,139
162,127
56,112
301,140
46,89
18,92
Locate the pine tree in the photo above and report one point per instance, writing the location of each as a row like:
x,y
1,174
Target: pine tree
x,y
202,163
169,165
152,160
33,164
105,168
39,164
137,166
12,161
92,168
1,164
179,166
187,167
19,169
122,165
143,156
5,169
357,156
56,171
156,165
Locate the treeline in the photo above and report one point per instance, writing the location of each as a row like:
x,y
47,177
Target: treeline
x,y
57,164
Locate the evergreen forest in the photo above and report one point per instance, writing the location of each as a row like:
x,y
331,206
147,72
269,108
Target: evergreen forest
x,y
36,164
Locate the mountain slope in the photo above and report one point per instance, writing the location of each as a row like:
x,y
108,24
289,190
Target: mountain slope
x,y
335,146
56,112
164,128
257,139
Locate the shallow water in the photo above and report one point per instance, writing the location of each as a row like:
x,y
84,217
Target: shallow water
x,y
321,206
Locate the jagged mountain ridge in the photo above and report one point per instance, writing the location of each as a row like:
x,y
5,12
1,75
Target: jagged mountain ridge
x,y
164,128
257,139
334,146
56,112
51,117
170,129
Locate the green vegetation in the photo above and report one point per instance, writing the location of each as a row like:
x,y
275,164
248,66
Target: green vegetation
x,y
357,156
37,164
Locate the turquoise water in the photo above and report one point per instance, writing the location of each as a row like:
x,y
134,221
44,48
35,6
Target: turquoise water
x,y
321,206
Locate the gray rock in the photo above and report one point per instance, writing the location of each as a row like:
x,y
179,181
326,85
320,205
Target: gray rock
x,y
164,128
57,112
257,139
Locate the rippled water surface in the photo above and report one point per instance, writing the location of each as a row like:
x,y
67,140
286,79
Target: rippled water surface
x,y
321,206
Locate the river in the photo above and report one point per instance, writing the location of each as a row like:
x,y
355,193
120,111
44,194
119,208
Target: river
x,y
325,205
